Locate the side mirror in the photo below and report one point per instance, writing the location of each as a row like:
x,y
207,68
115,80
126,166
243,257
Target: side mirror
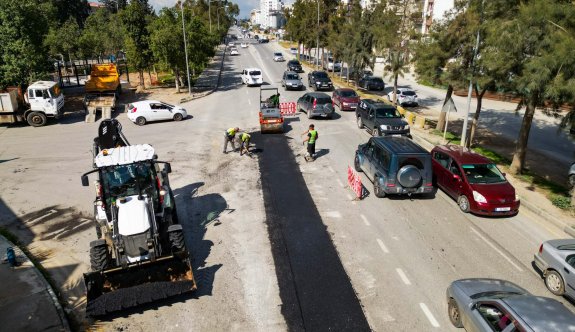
x,y
85,181
504,175
167,168
473,306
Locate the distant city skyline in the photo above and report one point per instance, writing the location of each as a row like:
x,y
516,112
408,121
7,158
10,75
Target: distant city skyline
x,y
245,5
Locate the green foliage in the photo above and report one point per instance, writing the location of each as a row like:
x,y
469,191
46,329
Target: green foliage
x,y
64,39
562,202
103,34
136,18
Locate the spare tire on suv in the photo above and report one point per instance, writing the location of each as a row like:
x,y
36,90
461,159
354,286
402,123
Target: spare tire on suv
x,y
409,176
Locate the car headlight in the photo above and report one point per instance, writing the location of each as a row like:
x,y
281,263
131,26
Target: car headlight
x,y
406,127
384,127
516,197
478,197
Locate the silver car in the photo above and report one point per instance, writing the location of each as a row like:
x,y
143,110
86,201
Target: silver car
x,y
292,81
499,305
556,260
316,104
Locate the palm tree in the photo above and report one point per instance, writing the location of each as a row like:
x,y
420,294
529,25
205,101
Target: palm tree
x,y
397,65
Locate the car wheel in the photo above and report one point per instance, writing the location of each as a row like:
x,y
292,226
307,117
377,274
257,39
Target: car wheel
x,y
572,180
356,163
359,122
375,132
463,203
554,282
308,114
36,119
454,315
140,121
377,190
178,117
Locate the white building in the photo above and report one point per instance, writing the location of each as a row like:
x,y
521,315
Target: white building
x,y
434,10
256,17
271,13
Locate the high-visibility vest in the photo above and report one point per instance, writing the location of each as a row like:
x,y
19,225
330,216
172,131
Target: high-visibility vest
x,y
313,136
231,132
245,137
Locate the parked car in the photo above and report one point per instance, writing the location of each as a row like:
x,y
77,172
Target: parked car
x,y
474,181
293,50
556,260
330,65
371,83
405,97
345,99
234,51
278,57
316,104
231,44
319,80
395,165
252,77
142,112
499,305
572,176
243,45
292,81
263,40
294,65
381,119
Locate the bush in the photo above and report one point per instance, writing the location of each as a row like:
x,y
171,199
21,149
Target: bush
x,y
562,202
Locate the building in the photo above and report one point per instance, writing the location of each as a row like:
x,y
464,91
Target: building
x,y
434,10
271,14
94,6
256,17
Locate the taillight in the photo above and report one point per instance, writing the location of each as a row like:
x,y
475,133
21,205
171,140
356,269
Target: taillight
x,y
314,103
429,184
541,248
161,191
133,110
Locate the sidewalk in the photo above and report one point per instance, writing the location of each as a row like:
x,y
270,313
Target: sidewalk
x,y
209,79
27,302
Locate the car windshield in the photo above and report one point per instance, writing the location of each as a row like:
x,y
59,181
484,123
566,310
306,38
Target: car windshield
x,y
387,112
277,54
55,91
376,79
494,294
483,173
320,74
255,72
128,180
348,93
408,93
294,62
292,77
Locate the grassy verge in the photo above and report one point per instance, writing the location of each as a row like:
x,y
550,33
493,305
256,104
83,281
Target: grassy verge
x,y
287,44
557,194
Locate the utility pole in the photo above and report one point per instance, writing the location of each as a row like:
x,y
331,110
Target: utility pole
x,y
317,40
186,48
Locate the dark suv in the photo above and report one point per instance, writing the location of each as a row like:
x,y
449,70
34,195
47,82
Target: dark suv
x,y
319,80
294,65
381,119
316,104
395,165
371,83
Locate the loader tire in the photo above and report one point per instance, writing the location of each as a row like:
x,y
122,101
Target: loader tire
x,y
176,236
99,255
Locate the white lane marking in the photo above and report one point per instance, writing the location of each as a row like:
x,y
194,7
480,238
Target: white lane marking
x,y
395,238
403,276
331,169
340,183
349,197
249,101
496,249
333,214
383,247
429,315
365,221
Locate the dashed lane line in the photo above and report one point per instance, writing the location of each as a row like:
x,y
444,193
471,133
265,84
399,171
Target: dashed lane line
x,y
333,214
340,183
429,315
382,246
496,249
365,221
403,276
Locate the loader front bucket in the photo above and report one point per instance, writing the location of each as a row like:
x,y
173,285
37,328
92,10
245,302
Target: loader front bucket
x,y
121,288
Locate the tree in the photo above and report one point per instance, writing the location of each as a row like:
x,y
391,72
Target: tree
x,y
103,34
166,41
64,39
136,18
115,6
79,10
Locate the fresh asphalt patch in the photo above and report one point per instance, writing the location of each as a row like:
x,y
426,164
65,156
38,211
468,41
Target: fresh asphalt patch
x,y
316,292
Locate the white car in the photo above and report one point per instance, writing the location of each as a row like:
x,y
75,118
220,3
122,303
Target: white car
x,y
252,76
293,50
278,57
244,45
231,44
142,112
234,51
404,97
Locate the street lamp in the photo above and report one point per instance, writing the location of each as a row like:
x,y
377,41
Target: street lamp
x,y
186,48
218,14
317,41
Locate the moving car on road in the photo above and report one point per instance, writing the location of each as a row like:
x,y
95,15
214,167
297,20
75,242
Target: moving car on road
x,y
252,77
142,112
316,104
293,50
319,80
243,45
499,305
278,57
371,83
381,119
292,81
395,165
346,99
294,65
405,97
474,181
556,260
234,51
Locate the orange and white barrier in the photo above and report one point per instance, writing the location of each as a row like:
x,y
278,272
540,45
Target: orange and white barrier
x,y
288,109
354,182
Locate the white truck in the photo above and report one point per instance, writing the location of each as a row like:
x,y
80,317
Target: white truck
x,y
42,100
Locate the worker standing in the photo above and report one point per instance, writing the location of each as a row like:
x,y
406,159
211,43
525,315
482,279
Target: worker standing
x,y
229,137
245,143
311,138
274,100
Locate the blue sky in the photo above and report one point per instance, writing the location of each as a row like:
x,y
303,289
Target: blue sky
x,y
245,5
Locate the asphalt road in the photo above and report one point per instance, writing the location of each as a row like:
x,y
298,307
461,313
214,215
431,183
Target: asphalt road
x,y
387,261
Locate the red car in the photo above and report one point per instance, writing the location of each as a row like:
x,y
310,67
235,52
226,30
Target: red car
x,y
345,99
474,181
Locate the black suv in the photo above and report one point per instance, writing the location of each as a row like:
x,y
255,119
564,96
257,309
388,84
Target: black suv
x,y
294,65
371,83
319,80
381,119
395,165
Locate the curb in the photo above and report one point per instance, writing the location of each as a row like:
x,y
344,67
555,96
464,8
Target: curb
x,y
209,92
59,309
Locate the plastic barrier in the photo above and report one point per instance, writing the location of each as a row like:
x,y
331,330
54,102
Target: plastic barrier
x,y
354,182
288,109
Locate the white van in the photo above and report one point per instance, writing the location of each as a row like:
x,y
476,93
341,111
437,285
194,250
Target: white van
x,y
252,77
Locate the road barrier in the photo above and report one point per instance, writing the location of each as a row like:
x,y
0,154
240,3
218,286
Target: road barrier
x,y
288,109
354,182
